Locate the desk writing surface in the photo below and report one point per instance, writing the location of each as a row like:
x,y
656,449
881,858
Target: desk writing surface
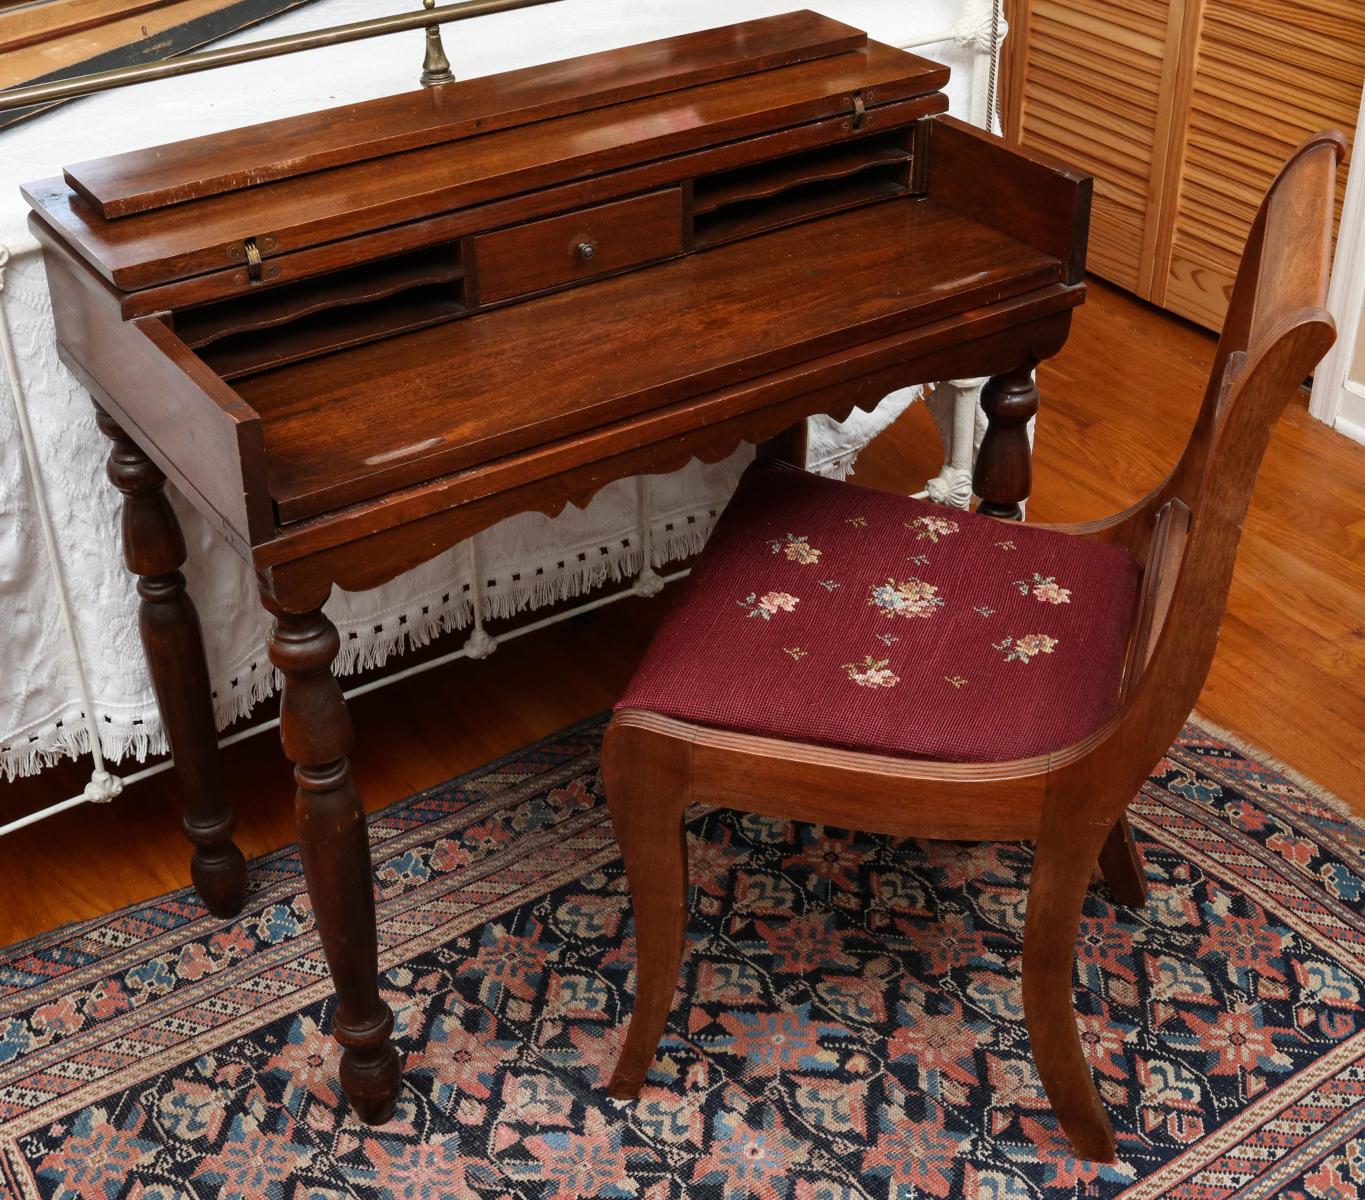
x,y
447,397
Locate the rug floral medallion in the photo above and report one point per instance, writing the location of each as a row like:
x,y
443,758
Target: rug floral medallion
x,y
849,1023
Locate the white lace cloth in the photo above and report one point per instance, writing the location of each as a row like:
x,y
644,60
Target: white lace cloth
x,y
527,561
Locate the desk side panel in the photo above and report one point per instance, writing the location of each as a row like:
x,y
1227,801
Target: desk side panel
x,y
1029,196
205,438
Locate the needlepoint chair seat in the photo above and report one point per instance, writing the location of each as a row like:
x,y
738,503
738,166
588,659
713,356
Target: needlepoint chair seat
x,y
836,615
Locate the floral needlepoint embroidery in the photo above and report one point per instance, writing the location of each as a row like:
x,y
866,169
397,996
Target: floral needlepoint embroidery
x,y
985,610
1006,545
829,584
872,672
1045,589
887,638
1025,648
919,560
796,652
932,528
768,604
909,598
856,522
797,549
956,680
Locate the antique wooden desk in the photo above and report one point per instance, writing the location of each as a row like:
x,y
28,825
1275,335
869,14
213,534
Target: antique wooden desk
x,y
355,338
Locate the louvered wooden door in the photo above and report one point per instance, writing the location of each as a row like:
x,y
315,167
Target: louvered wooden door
x,y
1183,111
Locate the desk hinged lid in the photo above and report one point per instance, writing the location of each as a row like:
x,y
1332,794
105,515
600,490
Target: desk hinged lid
x,y
150,217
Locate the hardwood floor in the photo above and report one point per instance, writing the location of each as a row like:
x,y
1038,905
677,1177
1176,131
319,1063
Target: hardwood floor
x,y
1117,405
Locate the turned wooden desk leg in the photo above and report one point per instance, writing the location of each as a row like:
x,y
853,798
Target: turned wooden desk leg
x,y
315,728
1004,469
154,550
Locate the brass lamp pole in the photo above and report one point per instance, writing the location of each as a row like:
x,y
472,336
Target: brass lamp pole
x,y
435,69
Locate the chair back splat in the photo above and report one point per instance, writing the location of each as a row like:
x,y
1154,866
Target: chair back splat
x,y
1187,531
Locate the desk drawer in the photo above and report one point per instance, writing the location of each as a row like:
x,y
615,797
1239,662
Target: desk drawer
x,y
578,245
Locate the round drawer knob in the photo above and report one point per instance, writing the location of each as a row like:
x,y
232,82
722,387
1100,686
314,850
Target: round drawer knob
x,y
586,250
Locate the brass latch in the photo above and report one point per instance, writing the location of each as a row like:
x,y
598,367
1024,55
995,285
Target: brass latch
x,y
859,111
250,250
253,261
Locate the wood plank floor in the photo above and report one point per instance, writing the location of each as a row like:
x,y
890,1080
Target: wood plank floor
x,y
1117,405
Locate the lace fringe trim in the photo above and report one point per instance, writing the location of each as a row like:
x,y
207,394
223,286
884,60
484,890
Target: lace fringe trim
x,y
507,592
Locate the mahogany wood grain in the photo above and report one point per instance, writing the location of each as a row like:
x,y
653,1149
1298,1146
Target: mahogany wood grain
x,y
762,180
315,730
1072,800
203,235
1039,198
154,551
1071,834
580,245
1003,475
410,527
1121,865
335,326
224,162
812,783
1162,557
733,313
192,425
647,810
360,284
816,199
430,230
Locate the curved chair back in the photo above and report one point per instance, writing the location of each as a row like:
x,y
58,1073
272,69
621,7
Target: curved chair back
x,y
1277,331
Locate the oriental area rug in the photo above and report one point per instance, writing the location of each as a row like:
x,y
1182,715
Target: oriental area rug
x,y
852,1024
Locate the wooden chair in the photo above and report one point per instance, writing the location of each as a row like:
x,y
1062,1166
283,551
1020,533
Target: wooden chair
x,y
743,702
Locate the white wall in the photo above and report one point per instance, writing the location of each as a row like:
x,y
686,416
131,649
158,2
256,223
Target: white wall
x,y
1339,383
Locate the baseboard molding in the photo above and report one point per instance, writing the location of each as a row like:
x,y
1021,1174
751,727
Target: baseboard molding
x,y
1342,407
1351,429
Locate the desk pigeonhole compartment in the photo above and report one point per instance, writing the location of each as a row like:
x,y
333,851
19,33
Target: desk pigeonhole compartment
x,y
291,321
796,187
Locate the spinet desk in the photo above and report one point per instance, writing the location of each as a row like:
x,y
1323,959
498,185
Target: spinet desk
x,y
357,338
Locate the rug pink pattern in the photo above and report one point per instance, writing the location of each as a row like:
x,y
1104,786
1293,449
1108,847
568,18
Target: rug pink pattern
x,y
853,1025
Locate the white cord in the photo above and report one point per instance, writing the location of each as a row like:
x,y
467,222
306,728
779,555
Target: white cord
x,y
480,643
648,582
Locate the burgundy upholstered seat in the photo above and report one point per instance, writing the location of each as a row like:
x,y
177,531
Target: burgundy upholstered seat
x,y
826,613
